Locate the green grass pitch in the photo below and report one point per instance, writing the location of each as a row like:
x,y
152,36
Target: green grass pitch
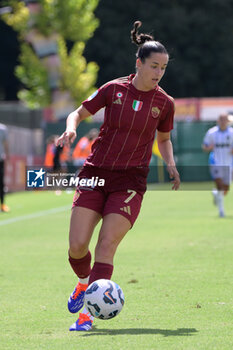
x,y
175,268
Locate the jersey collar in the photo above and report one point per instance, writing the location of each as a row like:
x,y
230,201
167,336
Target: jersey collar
x,y
140,92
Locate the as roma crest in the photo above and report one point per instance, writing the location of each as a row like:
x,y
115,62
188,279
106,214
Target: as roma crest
x,y
155,112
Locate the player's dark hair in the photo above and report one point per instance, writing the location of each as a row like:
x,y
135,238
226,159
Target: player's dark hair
x,y
146,43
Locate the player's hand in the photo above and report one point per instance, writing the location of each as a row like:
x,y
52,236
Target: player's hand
x,y
208,148
66,138
174,175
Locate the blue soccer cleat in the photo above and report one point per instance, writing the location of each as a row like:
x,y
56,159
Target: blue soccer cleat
x,y
76,299
83,323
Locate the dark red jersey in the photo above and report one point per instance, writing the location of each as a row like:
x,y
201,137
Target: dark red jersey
x,y
131,119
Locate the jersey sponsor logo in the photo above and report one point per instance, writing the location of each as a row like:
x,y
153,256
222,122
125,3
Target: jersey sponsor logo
x,y
93,95
126,210
118,101
137,105
221,145
155,112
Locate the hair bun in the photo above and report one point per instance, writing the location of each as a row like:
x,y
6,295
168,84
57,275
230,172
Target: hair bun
x,y
137,24
139,39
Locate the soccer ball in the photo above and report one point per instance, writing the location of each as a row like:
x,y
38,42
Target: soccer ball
x,y
104,299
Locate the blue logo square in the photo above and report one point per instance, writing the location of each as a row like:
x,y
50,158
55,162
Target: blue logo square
x,y
35,178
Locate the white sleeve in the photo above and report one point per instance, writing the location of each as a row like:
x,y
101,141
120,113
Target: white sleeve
x,y
208,139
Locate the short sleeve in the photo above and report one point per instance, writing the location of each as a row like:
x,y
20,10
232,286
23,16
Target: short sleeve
x,y
208,139
166,123
97,100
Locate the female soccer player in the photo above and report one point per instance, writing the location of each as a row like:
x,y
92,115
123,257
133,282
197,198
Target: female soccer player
x,y
219,141
135,107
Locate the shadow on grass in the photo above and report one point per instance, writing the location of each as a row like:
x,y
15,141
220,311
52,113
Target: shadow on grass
x,y
133,331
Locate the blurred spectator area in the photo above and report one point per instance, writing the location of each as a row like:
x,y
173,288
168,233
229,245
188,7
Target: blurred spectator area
x,y
26,142
14,113
24,128
28,134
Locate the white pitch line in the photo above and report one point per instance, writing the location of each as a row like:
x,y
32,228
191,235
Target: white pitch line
x,y
34,215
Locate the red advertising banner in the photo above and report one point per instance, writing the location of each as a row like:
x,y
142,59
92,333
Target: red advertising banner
x,y
188,109
15,172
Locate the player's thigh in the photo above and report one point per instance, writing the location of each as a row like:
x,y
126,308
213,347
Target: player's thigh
x,y
219,183
114,228
82,224
224,179
119,214
216,172
126,203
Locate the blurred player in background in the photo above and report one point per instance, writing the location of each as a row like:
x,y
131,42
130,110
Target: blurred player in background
x,y
50,152
4,157
135,107
56,157
219,141
61,157
83,147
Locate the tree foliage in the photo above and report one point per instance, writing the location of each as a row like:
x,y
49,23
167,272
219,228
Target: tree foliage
x,y
197,34
76,74
18,18
71,20
74,19
34,76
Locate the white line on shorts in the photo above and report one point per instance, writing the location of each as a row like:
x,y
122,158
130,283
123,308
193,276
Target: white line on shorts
x,y
34,215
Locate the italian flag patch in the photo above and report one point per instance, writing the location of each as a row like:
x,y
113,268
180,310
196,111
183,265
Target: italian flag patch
x,y
137,105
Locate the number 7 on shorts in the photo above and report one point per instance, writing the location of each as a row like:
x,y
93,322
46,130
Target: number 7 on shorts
x,y
128,199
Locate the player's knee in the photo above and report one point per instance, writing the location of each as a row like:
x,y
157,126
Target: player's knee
x,y
78,248
106,248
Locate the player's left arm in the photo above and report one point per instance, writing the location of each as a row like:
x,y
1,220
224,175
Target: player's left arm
x,y
166,150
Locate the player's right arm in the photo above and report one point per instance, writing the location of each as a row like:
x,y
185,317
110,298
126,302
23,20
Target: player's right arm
x,y
208,143
207,148
72,122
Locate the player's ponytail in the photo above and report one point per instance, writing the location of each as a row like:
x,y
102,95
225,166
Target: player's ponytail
x,y
139,39
145,42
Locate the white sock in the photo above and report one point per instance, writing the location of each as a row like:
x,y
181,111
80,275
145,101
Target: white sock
x,y
215,194
85,311
220,203
214,191
84,280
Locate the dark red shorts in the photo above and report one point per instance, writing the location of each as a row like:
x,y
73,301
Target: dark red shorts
x,y
122,192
